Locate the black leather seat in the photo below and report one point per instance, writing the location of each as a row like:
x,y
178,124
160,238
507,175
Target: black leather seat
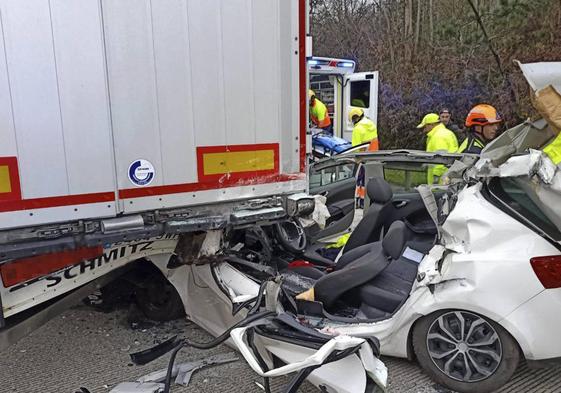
x,y
384,294
369,229
361,265
374,221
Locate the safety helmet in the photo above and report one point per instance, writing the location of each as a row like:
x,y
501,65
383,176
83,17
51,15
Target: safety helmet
x,y
481,115
355,112
429,118
311,93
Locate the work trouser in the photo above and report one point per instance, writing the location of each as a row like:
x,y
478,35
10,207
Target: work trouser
x,y
360,190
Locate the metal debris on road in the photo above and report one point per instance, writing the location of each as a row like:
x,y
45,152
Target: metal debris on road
x,y
138,387
153,382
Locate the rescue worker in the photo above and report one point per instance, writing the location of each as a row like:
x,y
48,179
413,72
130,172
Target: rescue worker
x,y
446,119
548,103
318,113
553,150
483,123
439,139
364,131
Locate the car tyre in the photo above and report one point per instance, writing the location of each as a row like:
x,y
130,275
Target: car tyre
x,y
481,359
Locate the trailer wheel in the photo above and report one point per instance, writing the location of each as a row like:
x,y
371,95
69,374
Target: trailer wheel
x,y
159,300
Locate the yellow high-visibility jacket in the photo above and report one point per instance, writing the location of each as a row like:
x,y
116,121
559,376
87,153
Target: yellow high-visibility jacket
x,y
441,139
553,150
319,114
364,131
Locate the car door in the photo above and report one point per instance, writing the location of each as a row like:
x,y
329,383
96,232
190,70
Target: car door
x,y
404,177
361,91
403,170
337,183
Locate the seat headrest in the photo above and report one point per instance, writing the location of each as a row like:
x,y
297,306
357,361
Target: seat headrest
x,y
379,190
394,241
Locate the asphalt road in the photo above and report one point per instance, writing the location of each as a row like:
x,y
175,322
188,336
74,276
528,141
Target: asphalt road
x,y
88,348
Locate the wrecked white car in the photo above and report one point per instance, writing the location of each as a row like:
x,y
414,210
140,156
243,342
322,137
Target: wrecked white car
x,y
465,277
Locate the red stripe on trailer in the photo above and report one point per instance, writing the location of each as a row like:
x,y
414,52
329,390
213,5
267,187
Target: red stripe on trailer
x,y
12,201
192,187
56,201
26,269
303,80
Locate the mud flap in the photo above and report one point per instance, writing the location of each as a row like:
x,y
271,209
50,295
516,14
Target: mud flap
x,y
340,349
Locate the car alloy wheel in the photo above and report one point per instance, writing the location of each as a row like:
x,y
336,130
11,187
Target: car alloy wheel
x,y
464,346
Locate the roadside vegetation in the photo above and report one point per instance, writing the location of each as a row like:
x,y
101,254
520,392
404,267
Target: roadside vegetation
x,y
440,53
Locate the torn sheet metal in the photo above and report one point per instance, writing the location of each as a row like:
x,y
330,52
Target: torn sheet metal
x,y
535,173
373,366
428,272
240,287
456,171
533,163
272,292
517,140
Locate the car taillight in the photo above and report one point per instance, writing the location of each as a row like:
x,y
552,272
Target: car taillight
x,y
548,270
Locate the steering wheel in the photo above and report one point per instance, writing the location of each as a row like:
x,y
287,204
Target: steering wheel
x,y
291,236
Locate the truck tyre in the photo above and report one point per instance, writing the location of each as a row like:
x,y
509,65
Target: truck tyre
x,y
464,351
159,300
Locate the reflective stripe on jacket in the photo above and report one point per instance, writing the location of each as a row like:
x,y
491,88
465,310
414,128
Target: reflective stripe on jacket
x,y
319,114
472,144
364,131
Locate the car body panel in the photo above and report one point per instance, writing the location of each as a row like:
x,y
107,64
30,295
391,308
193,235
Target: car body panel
x,y
535,325
348,375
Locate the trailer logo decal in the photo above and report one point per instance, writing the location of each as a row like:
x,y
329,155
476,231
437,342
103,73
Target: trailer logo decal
x,y
141,172
120,254
26,269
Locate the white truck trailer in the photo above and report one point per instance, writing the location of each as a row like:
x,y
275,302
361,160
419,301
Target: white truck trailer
x,y
125,125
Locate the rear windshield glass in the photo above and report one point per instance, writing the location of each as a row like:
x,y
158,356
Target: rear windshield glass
x,y
514,196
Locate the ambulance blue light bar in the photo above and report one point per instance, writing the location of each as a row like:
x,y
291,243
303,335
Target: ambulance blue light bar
x,y
328,65
346,64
